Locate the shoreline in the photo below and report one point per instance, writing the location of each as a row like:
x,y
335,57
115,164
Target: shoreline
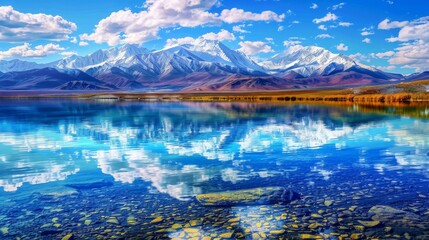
x,y
416,92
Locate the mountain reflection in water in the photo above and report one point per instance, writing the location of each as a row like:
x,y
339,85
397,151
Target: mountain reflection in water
x,y
185,149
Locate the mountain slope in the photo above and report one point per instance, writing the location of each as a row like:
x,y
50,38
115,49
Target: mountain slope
x,y
168,66
18,65
201,66
47,79
214,52
418,76
110,56
312,61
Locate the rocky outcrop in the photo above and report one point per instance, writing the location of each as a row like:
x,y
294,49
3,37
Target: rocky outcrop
x,y
255,196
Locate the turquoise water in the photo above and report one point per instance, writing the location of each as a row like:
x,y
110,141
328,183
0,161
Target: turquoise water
x,y
87,170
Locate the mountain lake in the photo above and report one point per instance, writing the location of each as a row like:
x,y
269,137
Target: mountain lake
x,y
74,169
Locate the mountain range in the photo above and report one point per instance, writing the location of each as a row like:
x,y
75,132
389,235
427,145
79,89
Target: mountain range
x,y
205,65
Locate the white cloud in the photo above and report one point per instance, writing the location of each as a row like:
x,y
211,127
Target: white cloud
x,y
342,47
73,39
366,33
239,29
289,43
412,55
322,27
125,26
179,41
329,17
338,6
23,27
325,35
387,24
252,48
25,51
417,29
270,40
383,54
386,68
68,53
414,51
281,28
360,57
345,24
223,35
235,15
295,22
366,40
314,6
83,43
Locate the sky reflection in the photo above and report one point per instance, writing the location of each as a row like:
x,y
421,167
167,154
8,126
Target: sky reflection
x,y
181,148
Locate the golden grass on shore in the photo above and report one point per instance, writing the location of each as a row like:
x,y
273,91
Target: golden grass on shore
x,y
411,92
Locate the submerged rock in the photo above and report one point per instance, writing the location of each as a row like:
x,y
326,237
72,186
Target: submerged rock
x,y
255,196
392,215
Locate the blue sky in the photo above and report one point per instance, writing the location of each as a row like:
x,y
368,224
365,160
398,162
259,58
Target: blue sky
x,y
392,35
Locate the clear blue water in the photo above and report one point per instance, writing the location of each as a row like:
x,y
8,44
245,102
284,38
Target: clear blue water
x,y
88,170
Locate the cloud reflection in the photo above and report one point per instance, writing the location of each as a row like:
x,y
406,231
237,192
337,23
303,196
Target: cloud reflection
x,y
178,148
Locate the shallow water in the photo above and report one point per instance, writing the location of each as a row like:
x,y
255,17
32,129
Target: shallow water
x,y
88,170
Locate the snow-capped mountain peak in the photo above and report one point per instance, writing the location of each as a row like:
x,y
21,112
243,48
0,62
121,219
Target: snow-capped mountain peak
x,y
308,61
204,64
111,56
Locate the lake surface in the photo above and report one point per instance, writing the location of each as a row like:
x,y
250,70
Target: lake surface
x,y
88,170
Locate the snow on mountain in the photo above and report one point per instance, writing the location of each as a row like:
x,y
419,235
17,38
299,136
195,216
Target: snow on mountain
x,y
310,61
108,56
214,52
203,65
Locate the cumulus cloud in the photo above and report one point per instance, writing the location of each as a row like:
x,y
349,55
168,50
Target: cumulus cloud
x,y
412,55
314,6
417,29
387,24
235,15
366,33
24,27
360,57
223,35
325,35
342,47
68,53
125,26
414,50
329,17
322,27
252,48
73,39
289,43
179,41
383,54
239,29
366,40
25,51
338,6
345,24
386,68
83,43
